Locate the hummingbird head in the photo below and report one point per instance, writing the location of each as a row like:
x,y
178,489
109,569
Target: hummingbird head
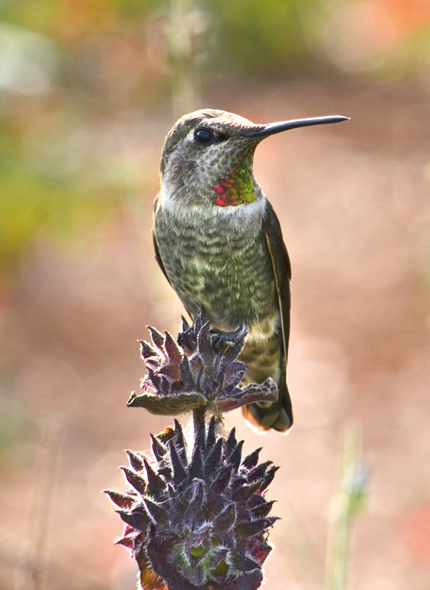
x,y
208,154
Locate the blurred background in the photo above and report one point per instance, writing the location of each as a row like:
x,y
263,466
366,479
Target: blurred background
x,y
88,90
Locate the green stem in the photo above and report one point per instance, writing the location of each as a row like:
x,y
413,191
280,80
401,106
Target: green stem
x,y
184,76
344,509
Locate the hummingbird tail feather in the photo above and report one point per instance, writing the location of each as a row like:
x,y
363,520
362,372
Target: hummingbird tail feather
x,y
265,415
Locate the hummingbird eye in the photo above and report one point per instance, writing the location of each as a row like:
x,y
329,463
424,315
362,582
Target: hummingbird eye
x,y
203,136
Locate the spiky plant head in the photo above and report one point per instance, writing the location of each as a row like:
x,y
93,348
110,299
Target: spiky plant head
x,y
199,519
195,371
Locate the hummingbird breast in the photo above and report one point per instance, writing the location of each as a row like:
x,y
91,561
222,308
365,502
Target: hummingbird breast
x,y
217,259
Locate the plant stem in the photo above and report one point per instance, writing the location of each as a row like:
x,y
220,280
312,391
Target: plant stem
x,y
198,419
345,506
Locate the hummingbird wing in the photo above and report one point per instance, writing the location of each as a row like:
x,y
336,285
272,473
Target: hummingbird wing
x,y
277,415
157,253
282,271
158,256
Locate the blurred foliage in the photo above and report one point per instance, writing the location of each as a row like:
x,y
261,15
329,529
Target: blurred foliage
x,y
67,66
15,427
349,502
262,39
37,193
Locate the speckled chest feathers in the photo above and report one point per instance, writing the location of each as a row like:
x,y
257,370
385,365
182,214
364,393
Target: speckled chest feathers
x,y
217,258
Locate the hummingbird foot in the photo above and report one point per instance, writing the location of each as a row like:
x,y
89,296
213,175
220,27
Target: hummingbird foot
x,y
221,341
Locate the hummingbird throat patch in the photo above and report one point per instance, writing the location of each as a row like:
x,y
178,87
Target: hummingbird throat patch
x,y
236,188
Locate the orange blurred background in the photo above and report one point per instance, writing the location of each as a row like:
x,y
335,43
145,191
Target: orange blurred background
x,y
88,90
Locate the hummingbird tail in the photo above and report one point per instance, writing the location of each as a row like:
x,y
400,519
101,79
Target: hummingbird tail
x,y
266,415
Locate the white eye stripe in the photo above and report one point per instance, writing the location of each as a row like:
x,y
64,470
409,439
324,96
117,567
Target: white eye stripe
x,y
190,136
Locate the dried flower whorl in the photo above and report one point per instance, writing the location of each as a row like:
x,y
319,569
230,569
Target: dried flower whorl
x,y
195,371
200,521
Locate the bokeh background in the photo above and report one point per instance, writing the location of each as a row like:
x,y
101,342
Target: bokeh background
x,y
88,90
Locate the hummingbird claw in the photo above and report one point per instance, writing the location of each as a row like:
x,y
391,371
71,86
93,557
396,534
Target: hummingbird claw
x,y
222,340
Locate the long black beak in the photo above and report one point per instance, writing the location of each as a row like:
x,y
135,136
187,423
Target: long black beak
x,y
273,128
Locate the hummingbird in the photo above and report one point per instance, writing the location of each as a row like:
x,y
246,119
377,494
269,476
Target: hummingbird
x,y
219,243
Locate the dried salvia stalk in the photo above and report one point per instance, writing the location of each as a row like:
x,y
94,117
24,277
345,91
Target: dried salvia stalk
x,y
199,518
198,370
